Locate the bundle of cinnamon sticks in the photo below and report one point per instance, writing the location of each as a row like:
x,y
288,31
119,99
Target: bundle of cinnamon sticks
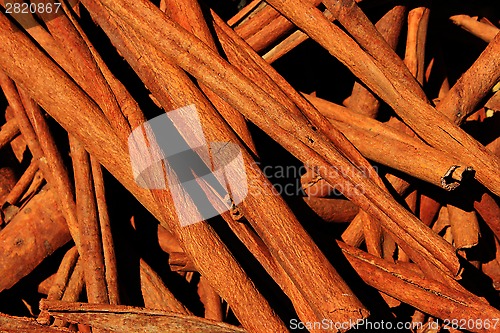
x,y
364,193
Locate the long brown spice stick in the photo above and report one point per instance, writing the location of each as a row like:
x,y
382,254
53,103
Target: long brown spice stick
x,y
84,69
59,174
473,85
22,184
132,319
63,274
367,35
178,11
389,26
425,294
91,243
211,300
479,29
25,127
418,20
111,271
175,48
39,220
106,146
60,282
373,139
396,92
8,132
489,210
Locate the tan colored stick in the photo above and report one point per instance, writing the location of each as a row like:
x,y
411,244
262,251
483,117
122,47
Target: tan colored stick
x,y
473,85
464,227
58,173
332,210
418,20
111,272
385,145
389,26
8,132
479,29
127,318
91,243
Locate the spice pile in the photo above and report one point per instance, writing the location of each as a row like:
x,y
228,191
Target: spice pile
x,y
361,191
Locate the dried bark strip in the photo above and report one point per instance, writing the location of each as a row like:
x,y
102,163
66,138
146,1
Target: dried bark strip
x,y
88,225
389,26
134,320
111,273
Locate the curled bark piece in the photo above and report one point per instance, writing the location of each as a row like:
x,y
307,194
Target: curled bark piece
x,y
126,318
